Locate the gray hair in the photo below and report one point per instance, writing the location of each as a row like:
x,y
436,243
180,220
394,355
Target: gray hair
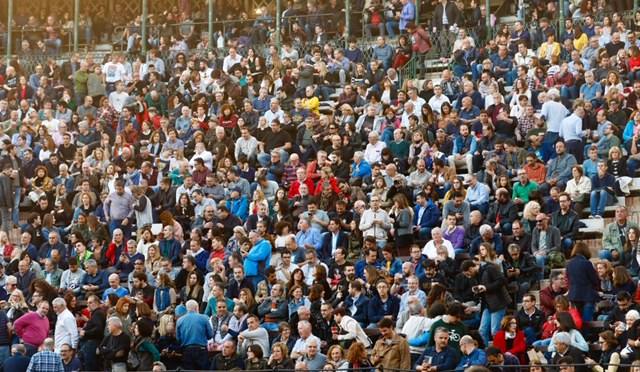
x,y
485,229
59,301
192,306
115,321
49,344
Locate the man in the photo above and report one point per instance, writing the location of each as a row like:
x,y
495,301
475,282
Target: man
x,y
308,236
523,188
92,334
350,327
375,222
33,327
442,356
18,362
357,303
391,350
495,299
47,359
193,331
66,331
464,146
566,220
412,290
457,207
257,259
254,334
115,347
520,268
615,235
333,239
471,354
602,188
425,217
237,282
114,288
306,337
530,318
557,287
558,169
564,349
502,212
478,195
430,249
544,239
69,361
118,209
227,360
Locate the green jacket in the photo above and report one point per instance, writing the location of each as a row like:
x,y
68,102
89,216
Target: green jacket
x,y
522,191
611,236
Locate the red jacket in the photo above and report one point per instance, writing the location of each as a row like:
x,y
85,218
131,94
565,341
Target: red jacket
x,y
294,190
518,348
333,183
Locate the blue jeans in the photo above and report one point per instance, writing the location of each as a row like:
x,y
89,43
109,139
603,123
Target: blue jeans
x,y
195,358
15,214
598,202
4,354
490,324
530,334
542,343
604,254
117,224
482,207
541,261
391,27
88,355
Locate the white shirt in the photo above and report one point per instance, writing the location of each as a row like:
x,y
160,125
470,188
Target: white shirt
x,y
117,100
436,102
207,158
373,153
114,72
230,61
431,252
66,331
417,104
300,346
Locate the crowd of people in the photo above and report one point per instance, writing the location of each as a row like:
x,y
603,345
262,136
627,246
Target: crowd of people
x,y
306,210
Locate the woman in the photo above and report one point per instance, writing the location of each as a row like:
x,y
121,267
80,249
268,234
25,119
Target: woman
x,y
17,306
192,290
335,356
122,311
630,254
255,360
184,212
382,303
402,216
143,352
531,210
41,184
357,357
164,298
297,279
609,357
456,186
153,262
297,299
578,188
510,339
391,264
605,276
279,359
622,280
563,322
258,200
380,189
284,335
246,297
583,281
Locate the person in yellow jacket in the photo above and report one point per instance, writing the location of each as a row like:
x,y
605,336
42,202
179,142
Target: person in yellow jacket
x,y
549,49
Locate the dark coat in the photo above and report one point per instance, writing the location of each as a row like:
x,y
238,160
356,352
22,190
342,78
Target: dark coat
x,y
452,15
496,297
583,280
326,248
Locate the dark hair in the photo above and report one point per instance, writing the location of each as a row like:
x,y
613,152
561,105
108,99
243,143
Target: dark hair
x,y
565,321
385,323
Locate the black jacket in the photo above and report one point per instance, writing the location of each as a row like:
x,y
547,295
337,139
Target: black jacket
x,y
567,224
496,297
452,12
94,329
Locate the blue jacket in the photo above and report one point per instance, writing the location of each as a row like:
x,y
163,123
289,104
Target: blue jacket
x,y
239,207
445,360
583,280
362,303
324,253
361,170
377,309
361,264
477,358
429,218
259,255
194,329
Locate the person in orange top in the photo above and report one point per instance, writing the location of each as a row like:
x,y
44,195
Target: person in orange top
x,y
535,169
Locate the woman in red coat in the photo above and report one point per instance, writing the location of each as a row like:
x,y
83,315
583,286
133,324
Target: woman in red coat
x,y
510,339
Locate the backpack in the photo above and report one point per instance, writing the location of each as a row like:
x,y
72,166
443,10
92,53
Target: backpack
x,y
556,260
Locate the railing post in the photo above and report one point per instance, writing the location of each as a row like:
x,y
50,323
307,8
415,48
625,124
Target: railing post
x,y
561,19
347,22
145,15
635,6
9,29
417,8
76,24
487,6
278,24
210,24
